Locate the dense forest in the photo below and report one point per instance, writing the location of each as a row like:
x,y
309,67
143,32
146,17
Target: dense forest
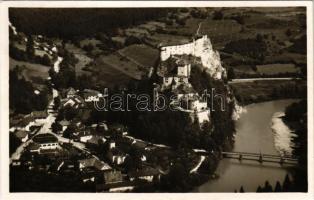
x,y
175,128
22,96
296,119
69,22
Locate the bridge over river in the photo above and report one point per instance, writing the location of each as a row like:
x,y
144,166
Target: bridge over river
x,y
259,157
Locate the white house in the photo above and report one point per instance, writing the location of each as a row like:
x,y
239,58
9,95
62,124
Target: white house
x,y
44,142
91,95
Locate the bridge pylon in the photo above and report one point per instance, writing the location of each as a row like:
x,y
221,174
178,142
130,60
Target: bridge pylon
x,y
260,159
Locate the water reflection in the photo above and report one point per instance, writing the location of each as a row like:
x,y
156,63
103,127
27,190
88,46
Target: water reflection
x,y
254,135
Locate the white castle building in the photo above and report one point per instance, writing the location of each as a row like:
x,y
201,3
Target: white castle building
x,y
178,77
200,47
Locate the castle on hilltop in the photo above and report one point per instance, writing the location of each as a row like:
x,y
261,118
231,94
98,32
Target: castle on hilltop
x,y
175,71
200,47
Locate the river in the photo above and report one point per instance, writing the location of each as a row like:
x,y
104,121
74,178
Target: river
x,y
253,134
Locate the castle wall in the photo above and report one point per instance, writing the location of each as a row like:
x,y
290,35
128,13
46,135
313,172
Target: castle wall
x,y
193,48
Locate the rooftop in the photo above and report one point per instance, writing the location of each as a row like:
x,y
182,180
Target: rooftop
x,y
184,89
21,134
39,114
45,138
148,171
94,162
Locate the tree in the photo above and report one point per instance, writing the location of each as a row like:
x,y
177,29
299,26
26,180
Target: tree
x,y
181,21
57,103
30,51
14,143
287,185
22,97
177,178
278,187
231,74
259,189
218,15
70,112
89,47
56,127
69,131
259,38
135,155
267,187
46,60
239,19
241,189
288,32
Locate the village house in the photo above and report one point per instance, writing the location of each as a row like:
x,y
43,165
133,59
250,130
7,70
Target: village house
x,y
75,101
116,156
21,135
22,123
93,163
39,114
70,93
93,140
89,175
64,123
91,95
112,176
118,129
148,174
119,41
103,125
125,186
42,142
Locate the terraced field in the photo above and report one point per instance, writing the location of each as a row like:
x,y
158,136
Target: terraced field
x,y
143,54
35,73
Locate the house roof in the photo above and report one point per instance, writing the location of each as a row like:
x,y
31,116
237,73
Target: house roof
x,y
94,162
71,91
33,146
95,139
39,114
148,171
16,119
25,121
45,138
64,123
21,134
116,152
184,89
89,93
119,39
108,174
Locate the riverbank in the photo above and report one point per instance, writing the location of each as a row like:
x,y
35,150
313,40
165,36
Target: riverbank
x,y
253,134
262,91
283,135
